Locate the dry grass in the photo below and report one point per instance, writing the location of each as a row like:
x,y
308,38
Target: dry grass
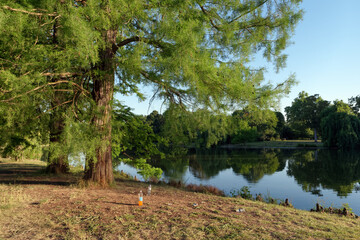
x,y
69,212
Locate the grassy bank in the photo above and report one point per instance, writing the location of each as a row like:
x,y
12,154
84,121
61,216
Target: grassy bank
x,y
279,144
39,206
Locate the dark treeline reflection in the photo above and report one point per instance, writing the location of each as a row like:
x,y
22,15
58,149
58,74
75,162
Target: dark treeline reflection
x,y
336,170
252,164
313,170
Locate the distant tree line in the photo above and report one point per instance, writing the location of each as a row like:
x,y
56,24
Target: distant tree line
x,y
336,123
309,117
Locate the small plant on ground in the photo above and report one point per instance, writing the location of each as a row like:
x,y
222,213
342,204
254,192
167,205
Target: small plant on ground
x,y
244,192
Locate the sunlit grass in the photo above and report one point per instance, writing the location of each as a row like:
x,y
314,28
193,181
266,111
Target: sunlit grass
x,y
12,196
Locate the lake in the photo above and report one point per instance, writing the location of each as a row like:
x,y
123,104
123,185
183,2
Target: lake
x,y
305,177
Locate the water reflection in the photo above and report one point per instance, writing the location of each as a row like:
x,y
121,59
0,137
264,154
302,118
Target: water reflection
x,y
205,165
253,165
313,170
173,168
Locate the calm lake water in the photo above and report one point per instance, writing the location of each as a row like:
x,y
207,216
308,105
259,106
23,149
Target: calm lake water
x,y
305,177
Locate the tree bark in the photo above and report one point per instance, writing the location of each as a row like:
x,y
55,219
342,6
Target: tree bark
x,y
101,170
315,135
58,164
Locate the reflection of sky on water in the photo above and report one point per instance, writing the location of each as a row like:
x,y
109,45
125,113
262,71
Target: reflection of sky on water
x,y
278,185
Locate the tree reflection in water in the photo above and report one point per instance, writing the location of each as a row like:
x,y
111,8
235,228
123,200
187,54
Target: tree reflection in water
x,y
252,164
313,170
336,170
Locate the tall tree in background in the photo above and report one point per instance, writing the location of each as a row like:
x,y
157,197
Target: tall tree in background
x,y
340,126
354,103
306,110
194,53
280,125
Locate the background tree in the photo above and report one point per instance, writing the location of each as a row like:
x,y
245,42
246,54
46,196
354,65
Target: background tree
x,y
251,124
354,103
306,110
198,129
280,125
156,121
340,126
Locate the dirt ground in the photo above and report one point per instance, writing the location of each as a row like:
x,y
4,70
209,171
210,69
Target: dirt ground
x,y
39,206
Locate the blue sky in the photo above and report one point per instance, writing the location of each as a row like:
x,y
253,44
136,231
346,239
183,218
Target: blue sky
x,y
325,55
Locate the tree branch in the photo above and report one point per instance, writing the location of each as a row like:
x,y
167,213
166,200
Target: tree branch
x,y
40,87
171,92
31,13
61,75
141,39
207,14
259,5
129,40
54,108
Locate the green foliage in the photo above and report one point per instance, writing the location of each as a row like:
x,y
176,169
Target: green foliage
x,y
305,112
145,169
280,125
251,124
133,135
340,126
244,133
156,121
200,129
341,130
244,192
354,103
347,206
134,141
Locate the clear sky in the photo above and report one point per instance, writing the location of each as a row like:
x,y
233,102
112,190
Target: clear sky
x,y
325,55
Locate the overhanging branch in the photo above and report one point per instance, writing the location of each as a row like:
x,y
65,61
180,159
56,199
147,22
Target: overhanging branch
x,y
61,75
31,13
53,108
172,93
152,42
207,14
45,85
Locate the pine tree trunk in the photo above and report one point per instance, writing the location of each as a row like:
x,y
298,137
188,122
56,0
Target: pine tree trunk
x,y
315,135
101,169
58,164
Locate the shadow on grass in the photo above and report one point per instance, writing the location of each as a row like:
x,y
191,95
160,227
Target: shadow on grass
x,y
34,182
126,204
28,174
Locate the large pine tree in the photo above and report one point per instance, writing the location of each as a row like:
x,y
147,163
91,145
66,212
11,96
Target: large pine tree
x,y
194,53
